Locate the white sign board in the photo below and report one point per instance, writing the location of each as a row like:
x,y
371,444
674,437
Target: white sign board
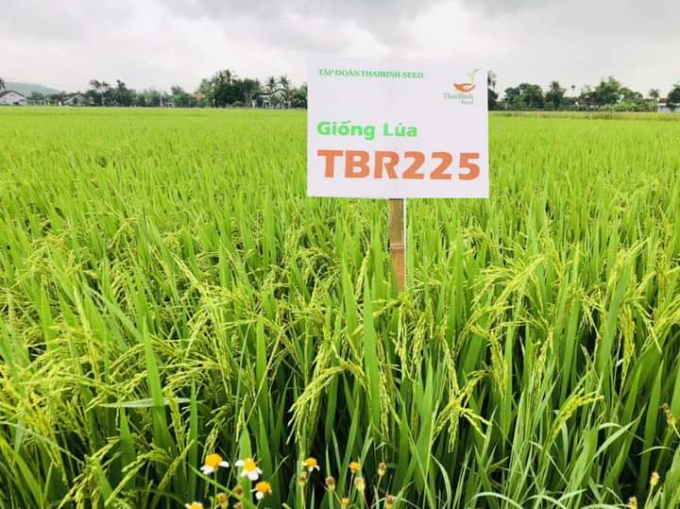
x,y
393,129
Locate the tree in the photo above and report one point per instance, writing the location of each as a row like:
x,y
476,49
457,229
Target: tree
x,y
525,97
298,97
36,98
284,83
227,75
55,99
270,88
607,92
107,94
674,96
95,86
586,98
629,95
99,91
630,100
491,94
2,84
654,93
491,80
140,100
180,98
152,98
555,94
251,89
492,98
225,89
123,96
205,89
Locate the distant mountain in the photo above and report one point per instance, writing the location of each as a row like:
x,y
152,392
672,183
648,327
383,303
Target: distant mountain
x,y
28,88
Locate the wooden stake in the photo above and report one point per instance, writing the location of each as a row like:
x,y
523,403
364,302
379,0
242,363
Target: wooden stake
x,y
398,240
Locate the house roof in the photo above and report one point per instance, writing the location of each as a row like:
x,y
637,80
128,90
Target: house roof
x,y
6,92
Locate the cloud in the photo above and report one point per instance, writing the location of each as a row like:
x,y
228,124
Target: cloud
x,y
164,42
374,15
60,21
326,26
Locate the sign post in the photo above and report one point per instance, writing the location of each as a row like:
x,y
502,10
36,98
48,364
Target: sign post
x,y
398,240
395,130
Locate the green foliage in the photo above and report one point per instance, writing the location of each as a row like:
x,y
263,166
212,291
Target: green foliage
x,y
298,97
607,92
167,291
492,98
525,97
674,95
180,98
555,95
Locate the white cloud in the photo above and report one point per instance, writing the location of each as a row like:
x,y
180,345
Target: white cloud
x,y
163,42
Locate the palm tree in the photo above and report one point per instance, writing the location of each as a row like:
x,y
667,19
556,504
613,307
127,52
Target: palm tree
x,y
271,85
284,82
99,86
2,84
228,75
491,79
224,77
105,88
271,89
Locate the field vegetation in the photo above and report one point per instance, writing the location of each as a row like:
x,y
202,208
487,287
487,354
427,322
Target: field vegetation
x,y
168,292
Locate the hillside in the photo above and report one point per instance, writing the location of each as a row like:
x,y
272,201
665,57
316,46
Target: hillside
x,y
28,88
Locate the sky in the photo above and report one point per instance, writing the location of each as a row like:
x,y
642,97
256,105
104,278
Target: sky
x,y
159,43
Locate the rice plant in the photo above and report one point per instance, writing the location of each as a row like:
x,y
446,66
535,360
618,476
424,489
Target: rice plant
x,y
180,324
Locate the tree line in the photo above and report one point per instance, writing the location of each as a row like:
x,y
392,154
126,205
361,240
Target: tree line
x,y
608,95
223,89
226,89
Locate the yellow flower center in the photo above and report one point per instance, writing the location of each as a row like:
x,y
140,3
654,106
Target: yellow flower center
x,y
263,487
311,462
213,461
354,466
195,505
249,465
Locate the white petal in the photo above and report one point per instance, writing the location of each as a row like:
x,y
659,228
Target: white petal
x,y
259,471
239,463
316,467
207,470
253,475
224,464
259,495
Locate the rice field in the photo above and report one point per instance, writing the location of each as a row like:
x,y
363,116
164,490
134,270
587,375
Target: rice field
x,y
168,293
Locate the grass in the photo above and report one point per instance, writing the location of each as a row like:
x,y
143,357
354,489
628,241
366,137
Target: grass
x,y
596,115
167,291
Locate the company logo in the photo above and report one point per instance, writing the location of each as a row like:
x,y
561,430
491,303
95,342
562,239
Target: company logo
x,y
463,91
